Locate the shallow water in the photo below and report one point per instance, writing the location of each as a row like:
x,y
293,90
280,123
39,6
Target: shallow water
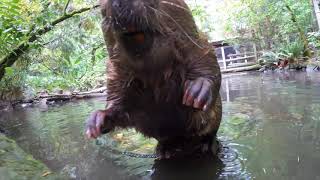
x,y
270,130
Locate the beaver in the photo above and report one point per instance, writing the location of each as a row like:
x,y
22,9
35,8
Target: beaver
x,y
163,78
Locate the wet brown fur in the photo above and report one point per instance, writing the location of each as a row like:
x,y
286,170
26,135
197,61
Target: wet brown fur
x,y
146,91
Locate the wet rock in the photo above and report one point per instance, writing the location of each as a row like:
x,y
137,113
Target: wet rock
x,y
70,171
2,131
16,164
43,105
43,93
50,102
58,91
5,106
25,105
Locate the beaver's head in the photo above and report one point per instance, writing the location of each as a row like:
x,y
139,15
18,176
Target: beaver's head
x,y
134,22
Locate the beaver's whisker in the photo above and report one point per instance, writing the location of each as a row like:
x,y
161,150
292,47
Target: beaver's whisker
x,y
175,5
122,13
179,26
157,16
145,17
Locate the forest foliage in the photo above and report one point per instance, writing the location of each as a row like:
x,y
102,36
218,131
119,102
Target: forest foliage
x,y
71,55
285,28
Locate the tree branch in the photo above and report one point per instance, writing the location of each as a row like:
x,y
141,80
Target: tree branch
x,y
13,56
93,53
49,27
66,7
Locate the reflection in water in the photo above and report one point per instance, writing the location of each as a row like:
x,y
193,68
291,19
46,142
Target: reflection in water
x,y
226,165
284,108
270,130
206,168
56,138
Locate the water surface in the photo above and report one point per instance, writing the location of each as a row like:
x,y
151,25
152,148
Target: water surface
x,y
270,130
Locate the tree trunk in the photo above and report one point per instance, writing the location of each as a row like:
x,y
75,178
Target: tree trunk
x,y
307,51
14,55
315,4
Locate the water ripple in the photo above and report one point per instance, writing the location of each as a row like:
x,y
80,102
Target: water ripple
x,y
234,167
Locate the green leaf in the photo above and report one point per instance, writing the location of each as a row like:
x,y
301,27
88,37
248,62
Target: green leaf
x,y
9,71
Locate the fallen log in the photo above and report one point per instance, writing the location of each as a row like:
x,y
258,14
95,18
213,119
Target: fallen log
x,y
51,98
240,69
67,97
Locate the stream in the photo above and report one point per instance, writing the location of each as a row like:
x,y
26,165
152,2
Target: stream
x,y
270,130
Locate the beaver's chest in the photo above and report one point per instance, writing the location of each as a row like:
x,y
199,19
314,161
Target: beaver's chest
x,y
161,102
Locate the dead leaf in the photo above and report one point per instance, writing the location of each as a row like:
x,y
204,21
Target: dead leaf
x,y
46,173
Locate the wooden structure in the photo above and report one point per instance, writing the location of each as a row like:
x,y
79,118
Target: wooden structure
x,y
231,59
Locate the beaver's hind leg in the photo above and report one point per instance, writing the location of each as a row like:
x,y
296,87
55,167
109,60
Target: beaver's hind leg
x,y
180,147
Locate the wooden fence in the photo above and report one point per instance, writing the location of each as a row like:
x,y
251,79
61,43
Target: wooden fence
x,y
229,61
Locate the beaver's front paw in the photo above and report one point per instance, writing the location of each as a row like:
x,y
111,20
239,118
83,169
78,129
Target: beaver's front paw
x,y
198,93
97,124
